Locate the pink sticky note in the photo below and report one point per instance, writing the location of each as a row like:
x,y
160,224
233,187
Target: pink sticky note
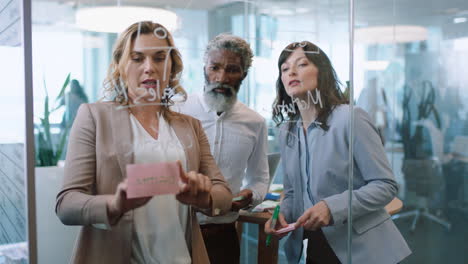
x,y
150,179
287,229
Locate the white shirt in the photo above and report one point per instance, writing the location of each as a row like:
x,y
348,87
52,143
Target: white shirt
x,y
160,225
238,142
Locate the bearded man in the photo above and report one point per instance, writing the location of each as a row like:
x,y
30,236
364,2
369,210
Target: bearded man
x,y
237,137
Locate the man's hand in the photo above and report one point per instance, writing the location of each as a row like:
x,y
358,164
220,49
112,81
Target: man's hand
x,y
315,217
246,199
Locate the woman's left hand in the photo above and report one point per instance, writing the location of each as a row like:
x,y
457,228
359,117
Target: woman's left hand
x,y
315,217
195,189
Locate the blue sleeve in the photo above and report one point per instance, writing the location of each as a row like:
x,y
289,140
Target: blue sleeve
x,y
287,204
371,161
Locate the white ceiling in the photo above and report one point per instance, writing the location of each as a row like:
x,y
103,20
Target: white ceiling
x,y
368,12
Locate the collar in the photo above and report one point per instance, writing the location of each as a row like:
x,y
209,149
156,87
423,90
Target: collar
x,y
312,125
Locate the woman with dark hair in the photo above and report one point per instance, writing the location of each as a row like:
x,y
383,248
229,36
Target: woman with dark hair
x,y
137,126
314,119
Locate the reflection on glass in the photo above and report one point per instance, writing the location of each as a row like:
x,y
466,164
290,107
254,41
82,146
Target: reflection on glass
x,y
13,217
412,84
416,101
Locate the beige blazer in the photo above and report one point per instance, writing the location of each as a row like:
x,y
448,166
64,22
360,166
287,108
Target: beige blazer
x,y
99,148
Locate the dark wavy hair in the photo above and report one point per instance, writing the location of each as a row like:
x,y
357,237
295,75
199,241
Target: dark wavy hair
x,y
327,84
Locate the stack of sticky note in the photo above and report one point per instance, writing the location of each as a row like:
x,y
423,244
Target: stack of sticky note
x,y
150,179
272,196
265,206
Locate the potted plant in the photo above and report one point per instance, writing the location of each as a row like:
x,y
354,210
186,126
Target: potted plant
x,y
48,150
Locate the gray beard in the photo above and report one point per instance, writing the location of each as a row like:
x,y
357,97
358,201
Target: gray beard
x,y
219,102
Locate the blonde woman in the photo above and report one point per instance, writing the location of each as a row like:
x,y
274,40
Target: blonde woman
x,y
138,127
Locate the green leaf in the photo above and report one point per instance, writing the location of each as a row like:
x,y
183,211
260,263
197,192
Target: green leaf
x,y
62,91
46,108
44,151
60,97
49,153
63,138
46,129
39,152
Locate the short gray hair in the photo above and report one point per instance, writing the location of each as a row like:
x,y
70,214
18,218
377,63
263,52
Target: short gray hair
x,y
232,43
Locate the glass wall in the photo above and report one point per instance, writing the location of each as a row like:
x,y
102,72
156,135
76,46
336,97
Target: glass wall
x,y
409,76
13,211
409,58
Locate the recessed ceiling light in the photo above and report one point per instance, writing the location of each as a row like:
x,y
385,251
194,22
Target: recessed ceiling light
x,y
459,20
302,10
115,19
391,34
376,65
282,12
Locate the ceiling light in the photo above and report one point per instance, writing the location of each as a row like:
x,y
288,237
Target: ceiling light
x,y
459,20
391,34
282,12
302,10
115,19
376,65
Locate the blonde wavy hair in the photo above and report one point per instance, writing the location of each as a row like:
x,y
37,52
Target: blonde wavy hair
x,y
114,83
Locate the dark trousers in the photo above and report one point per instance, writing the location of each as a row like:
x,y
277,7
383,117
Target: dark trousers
x,y
222,243
318,249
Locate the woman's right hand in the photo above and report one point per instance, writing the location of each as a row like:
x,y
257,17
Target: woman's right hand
x,y
280,223
120,204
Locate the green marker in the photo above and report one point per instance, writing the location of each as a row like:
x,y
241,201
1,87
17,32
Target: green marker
x,y
273,223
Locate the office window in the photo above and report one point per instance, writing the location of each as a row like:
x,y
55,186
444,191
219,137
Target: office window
x,y
408,63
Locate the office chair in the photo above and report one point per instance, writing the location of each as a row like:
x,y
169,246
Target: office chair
x,y
273,161
425,179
